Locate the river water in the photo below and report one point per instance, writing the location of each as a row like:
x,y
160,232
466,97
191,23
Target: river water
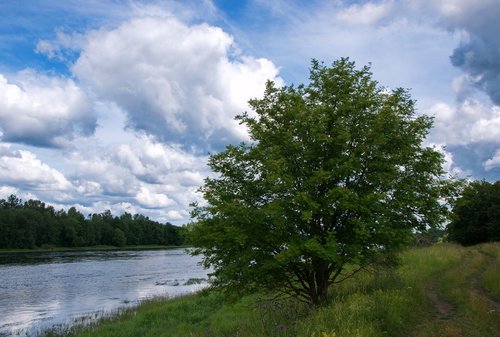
x,y
40,291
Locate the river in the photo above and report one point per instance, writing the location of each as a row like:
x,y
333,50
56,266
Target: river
x,y
40,291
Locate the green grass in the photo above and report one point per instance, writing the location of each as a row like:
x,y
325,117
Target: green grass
x,y
382,303
491,279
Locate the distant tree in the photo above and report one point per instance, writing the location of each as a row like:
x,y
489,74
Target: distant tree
x,y
11,202
118,238
476,215
34,224
172,235
336,178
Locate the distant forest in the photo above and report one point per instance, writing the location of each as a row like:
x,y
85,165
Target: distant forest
x,y
34,224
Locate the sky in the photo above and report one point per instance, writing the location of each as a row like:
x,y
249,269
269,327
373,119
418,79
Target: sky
x,y
117,104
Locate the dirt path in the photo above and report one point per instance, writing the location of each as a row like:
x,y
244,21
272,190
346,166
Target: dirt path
x,y
478,290
443,323
444,309
449,320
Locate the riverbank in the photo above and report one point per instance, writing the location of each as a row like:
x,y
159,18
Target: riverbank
x,y
88,248
443,290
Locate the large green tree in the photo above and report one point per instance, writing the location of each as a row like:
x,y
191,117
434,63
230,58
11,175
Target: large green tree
x,y
476,214
336,178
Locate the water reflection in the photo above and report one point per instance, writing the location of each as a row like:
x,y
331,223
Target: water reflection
x,y
65,257
38,291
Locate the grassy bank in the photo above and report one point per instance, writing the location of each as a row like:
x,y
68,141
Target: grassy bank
x,y
444,290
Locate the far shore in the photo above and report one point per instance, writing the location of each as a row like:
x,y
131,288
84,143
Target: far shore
x,y
84,249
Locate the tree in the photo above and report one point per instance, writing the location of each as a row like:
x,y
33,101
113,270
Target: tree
x,y
476,214
119,239
336,178
34,224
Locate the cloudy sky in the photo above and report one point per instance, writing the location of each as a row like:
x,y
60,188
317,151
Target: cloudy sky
x,y
115,104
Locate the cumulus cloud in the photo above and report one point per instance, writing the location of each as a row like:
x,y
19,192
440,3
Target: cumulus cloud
x,y
406,49
6,191
43,111
22,168
150,199
144,176
468,122
472,28
478,54
471,131
155,162
62,47
141,175
177,215
163,168
449,165
493,162
180,83
97,175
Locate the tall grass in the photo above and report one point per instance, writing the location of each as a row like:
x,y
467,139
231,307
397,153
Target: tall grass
x,y
491,275
380,303
390,302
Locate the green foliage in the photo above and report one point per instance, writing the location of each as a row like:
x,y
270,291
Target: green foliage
x,y
336,175
33,224
119,239
476,215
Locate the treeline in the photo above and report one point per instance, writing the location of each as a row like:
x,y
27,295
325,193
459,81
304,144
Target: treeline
x,y
32,224
476,214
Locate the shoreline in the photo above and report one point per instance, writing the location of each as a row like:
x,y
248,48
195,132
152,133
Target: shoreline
x,y
87,249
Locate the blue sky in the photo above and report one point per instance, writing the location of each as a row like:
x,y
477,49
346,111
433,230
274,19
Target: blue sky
x,y
115,104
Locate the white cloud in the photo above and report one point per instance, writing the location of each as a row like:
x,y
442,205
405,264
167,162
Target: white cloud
x,y
177,215
180,83
442,112
22,168
6,191
406,50
140,175
449,166
116,208
493,162
56,49
155,162
146,176
471,121
486,130
97,174
409,44
164,169
149,199
43,111
478,52
365,14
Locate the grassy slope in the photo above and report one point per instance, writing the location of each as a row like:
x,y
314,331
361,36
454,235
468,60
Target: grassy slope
x,y
444,290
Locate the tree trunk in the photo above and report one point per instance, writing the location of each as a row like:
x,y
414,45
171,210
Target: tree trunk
x,y
319,290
